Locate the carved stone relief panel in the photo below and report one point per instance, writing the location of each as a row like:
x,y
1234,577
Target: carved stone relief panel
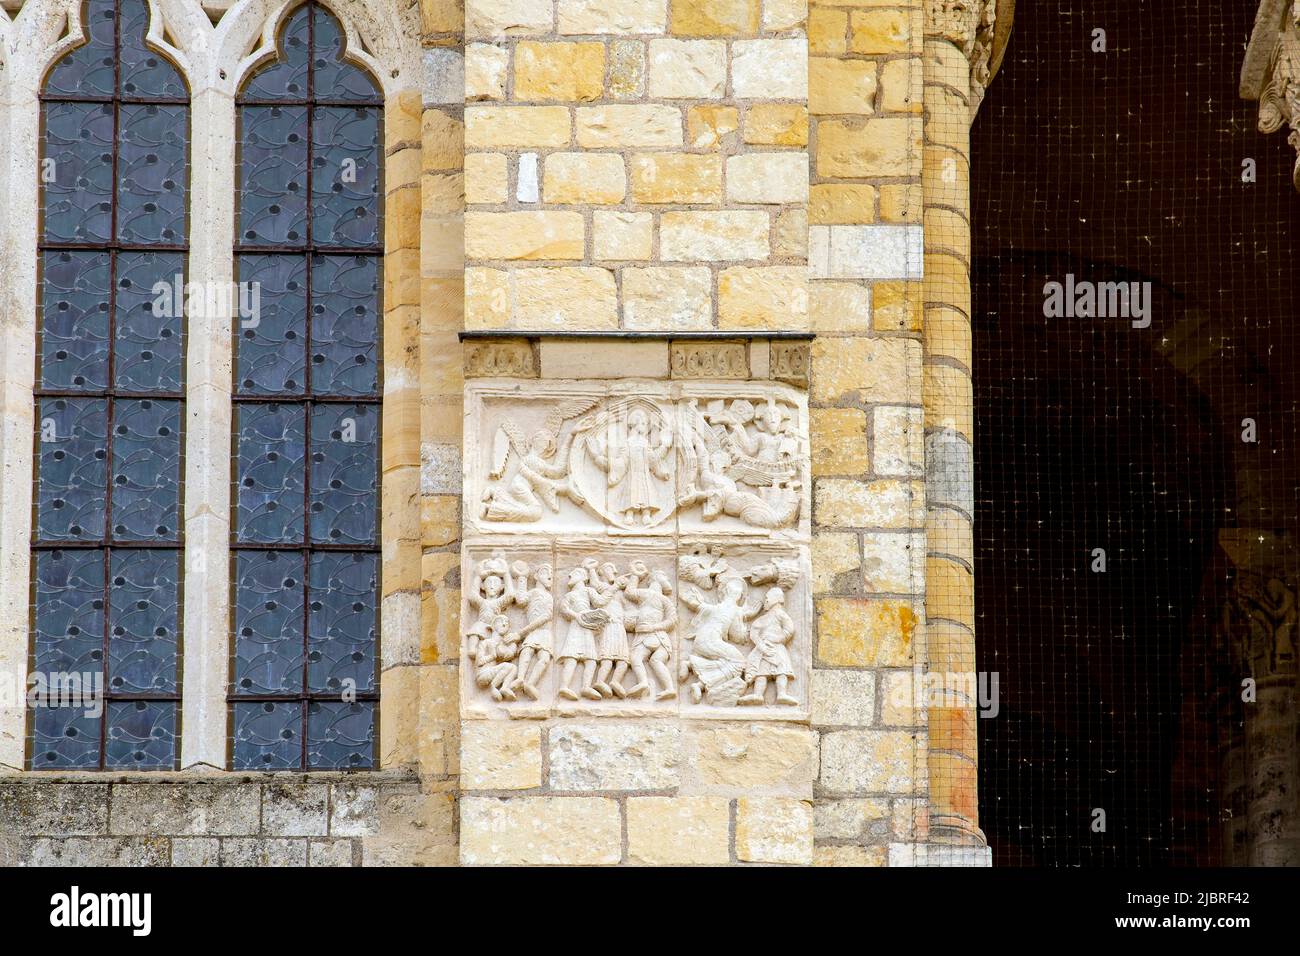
x,y
636,548
634,627
632,457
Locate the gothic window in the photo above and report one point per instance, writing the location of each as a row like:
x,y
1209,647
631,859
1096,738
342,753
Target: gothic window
x,y
304,669
109,391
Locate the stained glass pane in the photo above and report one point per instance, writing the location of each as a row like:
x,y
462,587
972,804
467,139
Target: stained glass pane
x,y
345,176
77,171
74,320
273,175
334,78
271,353
285,78
147,348
88,70
344,473
345,325
268,622
144,72
72,438
142,621
141,735
69,619
340,736
146,470
151,169
64,738
267,735
270,472
341,619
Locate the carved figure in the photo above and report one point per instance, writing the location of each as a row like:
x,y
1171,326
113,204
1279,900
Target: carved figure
x,y
632,459
542,472
579,646
716,662
655,617
770,633
490,593
493,659
539,644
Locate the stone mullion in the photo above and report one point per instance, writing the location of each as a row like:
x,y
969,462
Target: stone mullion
x,y
19,149
208,419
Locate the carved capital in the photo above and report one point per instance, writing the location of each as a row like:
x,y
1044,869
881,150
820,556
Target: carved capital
x,y
973,27
1271,71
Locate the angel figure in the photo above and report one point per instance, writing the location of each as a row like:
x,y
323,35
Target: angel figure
x,y
632,462
490,593
493,659
770,633
654,620
542,474
539,645
716,662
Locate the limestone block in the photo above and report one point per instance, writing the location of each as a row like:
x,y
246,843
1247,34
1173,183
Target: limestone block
x,y
893,562
768,178
688,69
865,632
678,831
499,18
574,299
581,17
770,69
837,566
497,755
180,810
622,236
869,761
882,31
596,178
540,831
843,698
839,441
486,178
714,18
627,69
616,126
766,297
827,30
524,235
486,66
774,830
290,809
559,71
781,15
714,236
683,178
665,298
585,358
841,86
776,124
492,127
615,755
751,759
709,126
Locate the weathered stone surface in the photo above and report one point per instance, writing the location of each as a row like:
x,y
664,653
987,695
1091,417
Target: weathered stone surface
x,y
714,236
486,178
752,759
684,178
486,67
596,178
668,298
185,810
540,831
678,831
688,69
897,441
253,852
330,853
839,441
865,632
354,809
568,299
763,297
860,819
294,809
196,851
882,146
774,830
841,86
622,125
615,756
35,809
580,17
620,235
768,178
870,761
497,18
524,235
627,69
490,127
882,31
893,563
843,698
777,124
845,856
559,71
99,852
708,126
774,69
837,564
714,18
864,370
849,503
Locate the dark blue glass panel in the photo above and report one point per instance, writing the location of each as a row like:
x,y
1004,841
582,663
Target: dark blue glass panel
x,y
146,470
152,173
144,72
273,175
268,735
88,70
285,78
270,472
142,621
340,736
344,473
141,735
147,349
271,355
74,320
69,619
77,171
341,620
268,622
345,176
345,325
64,738
72,436
335,79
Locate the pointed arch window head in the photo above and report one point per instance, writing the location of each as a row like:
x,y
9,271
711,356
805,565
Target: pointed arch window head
x,y
305,655
109,400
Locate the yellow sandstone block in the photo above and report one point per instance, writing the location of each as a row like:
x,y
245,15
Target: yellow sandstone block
x,y
867,148
841,86
776,124
708,126
524,235
767,297
485,178
880,31
622,235
714,18
841,203
559,71
676,178
596,178
492,127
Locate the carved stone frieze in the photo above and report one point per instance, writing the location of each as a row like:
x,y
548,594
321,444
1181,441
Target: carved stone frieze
x,y
635,627
705,359
655,458
790,362
507,358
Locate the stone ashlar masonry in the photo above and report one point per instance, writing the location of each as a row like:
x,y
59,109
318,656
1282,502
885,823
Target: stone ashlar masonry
x,y
744,168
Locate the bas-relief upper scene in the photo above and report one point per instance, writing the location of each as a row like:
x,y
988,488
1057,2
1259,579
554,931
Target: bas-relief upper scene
x,y
636,549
